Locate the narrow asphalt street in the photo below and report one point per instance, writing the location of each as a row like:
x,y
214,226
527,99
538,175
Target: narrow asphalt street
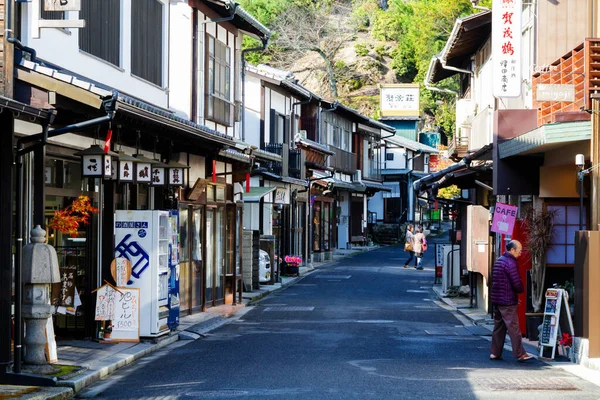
x,y
363,327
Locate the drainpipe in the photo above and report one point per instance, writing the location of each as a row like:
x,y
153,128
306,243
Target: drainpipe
x,y
109,107
265,42
9,32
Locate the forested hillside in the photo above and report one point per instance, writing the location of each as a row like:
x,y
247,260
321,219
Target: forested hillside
x,y
342,49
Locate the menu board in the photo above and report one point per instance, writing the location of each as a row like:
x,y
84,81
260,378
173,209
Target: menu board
x,y
126,321
557,320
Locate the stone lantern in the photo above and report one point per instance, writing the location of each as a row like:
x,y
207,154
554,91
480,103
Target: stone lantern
x,y
40,269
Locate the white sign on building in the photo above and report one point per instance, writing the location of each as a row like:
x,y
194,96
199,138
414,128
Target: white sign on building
x,y
400,100
506,47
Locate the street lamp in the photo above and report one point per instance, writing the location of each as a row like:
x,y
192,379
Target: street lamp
x,y
580,162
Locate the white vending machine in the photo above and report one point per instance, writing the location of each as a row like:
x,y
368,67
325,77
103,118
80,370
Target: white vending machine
x,y
144,238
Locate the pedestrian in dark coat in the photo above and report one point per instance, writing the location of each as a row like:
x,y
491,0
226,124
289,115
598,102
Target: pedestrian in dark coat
x,y
506,285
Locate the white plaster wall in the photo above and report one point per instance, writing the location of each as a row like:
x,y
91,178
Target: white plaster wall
x,y
180,58
375,204
61,47
251,213
399,161
197,169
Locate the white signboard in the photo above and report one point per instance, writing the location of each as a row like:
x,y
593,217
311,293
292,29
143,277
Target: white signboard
x,y
564,93
506,47
62,5
400,100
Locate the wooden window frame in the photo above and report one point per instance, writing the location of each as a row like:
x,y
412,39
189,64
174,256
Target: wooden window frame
x,y
218,106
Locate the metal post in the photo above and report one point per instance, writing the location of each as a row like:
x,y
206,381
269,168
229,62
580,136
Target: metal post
x,y
580,176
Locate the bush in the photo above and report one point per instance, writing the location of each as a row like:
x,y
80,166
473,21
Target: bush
x,y
361,50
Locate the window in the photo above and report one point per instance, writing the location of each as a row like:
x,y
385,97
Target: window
x,y
279,128
147,40
101,36
566,222
218,105
389,156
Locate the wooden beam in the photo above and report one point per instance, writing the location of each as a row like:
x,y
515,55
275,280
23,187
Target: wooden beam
x,y
62,88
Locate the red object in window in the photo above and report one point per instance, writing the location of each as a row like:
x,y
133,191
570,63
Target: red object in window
x,y
214,171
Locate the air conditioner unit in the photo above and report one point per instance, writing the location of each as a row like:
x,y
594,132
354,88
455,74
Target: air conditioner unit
x,y
358,175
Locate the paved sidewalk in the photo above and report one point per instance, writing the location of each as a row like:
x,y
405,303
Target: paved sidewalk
x,y
98,360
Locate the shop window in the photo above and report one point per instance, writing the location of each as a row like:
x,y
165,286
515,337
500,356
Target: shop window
x,y
562,250
63,174
147,40
101,36
184,255
317,226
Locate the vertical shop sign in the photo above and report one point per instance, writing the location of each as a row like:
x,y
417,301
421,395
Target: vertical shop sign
x,y
506,47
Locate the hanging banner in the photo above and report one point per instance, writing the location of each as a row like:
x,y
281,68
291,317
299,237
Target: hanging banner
x,y
506,47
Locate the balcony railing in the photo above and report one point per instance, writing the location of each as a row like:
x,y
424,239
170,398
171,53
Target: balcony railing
x,y
274,167
342,160
458,146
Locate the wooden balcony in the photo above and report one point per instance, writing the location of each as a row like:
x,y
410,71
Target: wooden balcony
x,y
458,147
342,160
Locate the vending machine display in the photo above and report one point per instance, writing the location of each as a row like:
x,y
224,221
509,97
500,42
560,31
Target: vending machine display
x,y
149,239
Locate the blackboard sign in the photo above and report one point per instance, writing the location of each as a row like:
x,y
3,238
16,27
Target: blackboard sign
x,y
557,320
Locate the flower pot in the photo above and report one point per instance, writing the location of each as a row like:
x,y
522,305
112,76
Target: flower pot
x,y
107,335
292,270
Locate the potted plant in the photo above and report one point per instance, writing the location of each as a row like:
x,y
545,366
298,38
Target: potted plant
x,y
108,328
293,264
538,226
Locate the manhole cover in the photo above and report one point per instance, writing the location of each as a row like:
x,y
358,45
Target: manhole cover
x,y
507,384
333,276
288,309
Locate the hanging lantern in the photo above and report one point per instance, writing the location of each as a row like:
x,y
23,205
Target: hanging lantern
x,y
175,173
126,168
95,163
143,169
158,173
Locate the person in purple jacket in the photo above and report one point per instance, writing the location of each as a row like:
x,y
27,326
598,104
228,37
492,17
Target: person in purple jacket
x,y
506,284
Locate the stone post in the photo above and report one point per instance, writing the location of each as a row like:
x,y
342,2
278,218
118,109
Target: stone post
x,y
40,269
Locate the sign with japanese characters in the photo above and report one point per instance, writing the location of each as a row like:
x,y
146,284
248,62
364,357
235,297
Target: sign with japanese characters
x,y
504,218
126,320
63,293
506,47
400,100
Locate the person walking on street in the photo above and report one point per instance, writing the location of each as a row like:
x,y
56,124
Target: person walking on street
x,y
506,284
409,244
419,241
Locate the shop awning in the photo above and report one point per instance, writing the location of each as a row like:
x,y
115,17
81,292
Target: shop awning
x,y
375,186
428,181
545,138
257,193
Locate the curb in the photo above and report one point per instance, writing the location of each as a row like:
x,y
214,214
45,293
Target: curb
x,y
115,362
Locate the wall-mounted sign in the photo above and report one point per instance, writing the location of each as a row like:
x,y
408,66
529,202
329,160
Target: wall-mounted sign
x,y
54,5
506,47
399,100
564,93
62,5
281,196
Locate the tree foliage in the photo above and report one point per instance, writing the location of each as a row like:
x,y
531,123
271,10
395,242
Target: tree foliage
x,y
417,30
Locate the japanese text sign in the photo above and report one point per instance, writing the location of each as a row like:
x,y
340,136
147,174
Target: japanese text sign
x,y
506,47
399,100
504,218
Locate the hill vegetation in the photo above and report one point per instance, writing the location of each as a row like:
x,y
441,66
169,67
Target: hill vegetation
x,y
343,49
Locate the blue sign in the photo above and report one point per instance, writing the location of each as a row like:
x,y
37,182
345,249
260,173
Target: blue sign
x,y
139,258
